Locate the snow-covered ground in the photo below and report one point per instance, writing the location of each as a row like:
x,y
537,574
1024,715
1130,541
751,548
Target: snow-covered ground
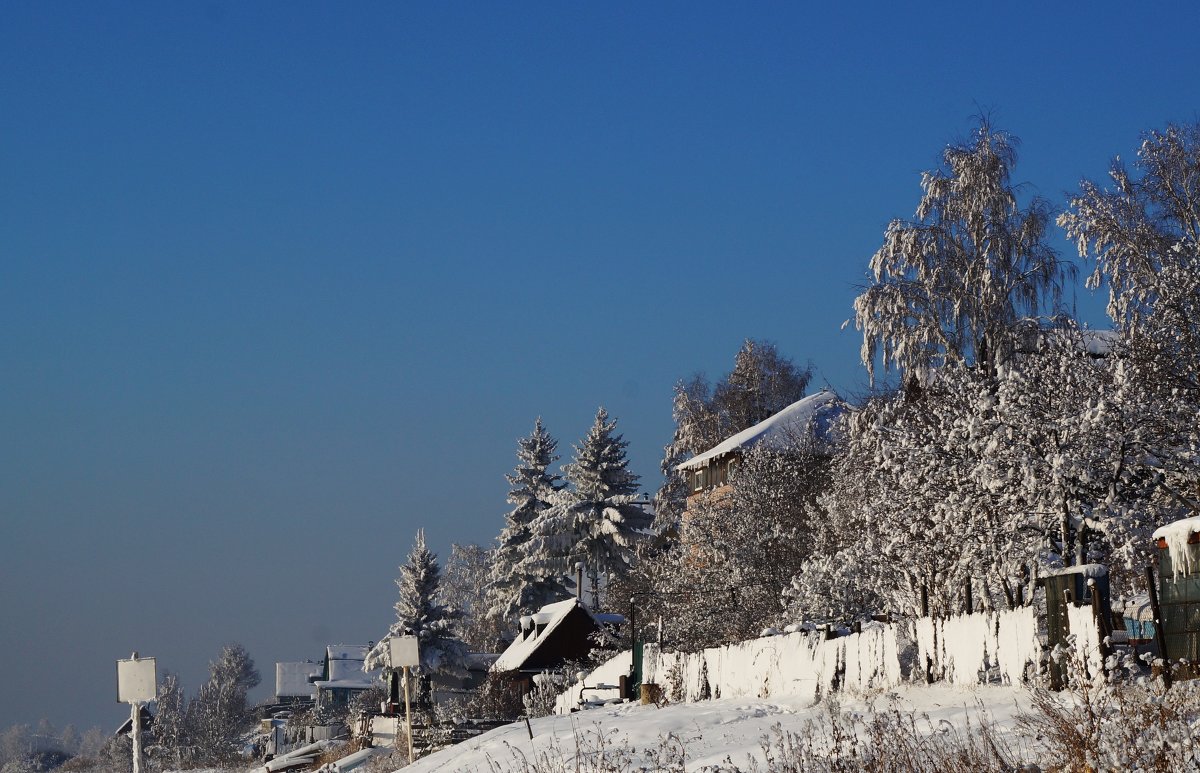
x,y
711,731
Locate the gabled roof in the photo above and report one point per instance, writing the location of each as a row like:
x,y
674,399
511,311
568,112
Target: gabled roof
x,y
810,416
551,616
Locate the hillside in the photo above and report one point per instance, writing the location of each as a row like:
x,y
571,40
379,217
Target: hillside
x,y
720,732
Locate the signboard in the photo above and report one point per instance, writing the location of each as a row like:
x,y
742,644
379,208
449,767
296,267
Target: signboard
x,y
403,651
137,681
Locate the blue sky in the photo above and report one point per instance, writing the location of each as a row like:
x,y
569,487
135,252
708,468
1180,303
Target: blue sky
x,y
284,282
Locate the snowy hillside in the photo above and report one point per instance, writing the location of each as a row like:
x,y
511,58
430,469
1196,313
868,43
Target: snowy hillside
x,y
712,732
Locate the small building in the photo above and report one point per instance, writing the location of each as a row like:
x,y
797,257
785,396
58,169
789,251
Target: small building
x,y
807,423
294,682
344,676
1178,551
558,633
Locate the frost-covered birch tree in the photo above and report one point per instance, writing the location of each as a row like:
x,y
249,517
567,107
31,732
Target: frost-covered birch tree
x,y
218,715
468,572
1143,235
519,586
949,286
594,519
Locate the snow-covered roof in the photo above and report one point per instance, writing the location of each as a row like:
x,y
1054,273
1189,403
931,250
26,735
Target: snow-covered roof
x,y
346,651
293,679
813,415
1176,536
1087,570
520,650
1138,608
1099,342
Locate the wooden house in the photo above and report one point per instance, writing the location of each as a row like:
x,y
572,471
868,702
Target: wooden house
x,y
808,422
558,633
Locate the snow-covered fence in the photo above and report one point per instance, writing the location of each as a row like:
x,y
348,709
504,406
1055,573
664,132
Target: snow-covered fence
x,y
977,648
801,663
997,647
1082,622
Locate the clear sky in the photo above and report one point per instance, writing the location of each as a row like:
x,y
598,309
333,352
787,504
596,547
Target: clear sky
x,y
281,283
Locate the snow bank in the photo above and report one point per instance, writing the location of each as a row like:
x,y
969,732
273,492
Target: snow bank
x,y
725,734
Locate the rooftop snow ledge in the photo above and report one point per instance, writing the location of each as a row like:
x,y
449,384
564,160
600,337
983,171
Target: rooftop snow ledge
x,y
1087,570
1176,536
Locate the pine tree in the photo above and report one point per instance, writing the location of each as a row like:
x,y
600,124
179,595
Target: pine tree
x,y
594,520
516,587
419,614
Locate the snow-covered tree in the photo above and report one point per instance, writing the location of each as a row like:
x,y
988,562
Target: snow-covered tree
x,y
15,742
1144,236
468,571
92,742
949,286
68,740
219,714
594,520
171,718
419,613
517,587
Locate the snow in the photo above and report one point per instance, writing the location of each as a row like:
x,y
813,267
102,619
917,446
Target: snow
x,y
608,674
307,753
965,649
1176,536
814,415
798,664
1087,570
1017,643
712,730
1082,624
519,651
292,679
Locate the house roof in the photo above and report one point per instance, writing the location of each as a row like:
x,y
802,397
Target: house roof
x,y
813,415
552,616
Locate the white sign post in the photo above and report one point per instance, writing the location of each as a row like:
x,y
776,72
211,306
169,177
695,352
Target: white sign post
x,y
403,652
137,685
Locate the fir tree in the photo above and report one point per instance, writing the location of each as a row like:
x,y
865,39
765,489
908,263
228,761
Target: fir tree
x,y
516,588
419,614
594,520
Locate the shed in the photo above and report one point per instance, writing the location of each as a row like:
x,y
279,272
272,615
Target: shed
x,y
1178,547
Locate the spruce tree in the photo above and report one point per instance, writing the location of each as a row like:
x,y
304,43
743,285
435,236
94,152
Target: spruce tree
x,y
594,520
419,614
517,588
